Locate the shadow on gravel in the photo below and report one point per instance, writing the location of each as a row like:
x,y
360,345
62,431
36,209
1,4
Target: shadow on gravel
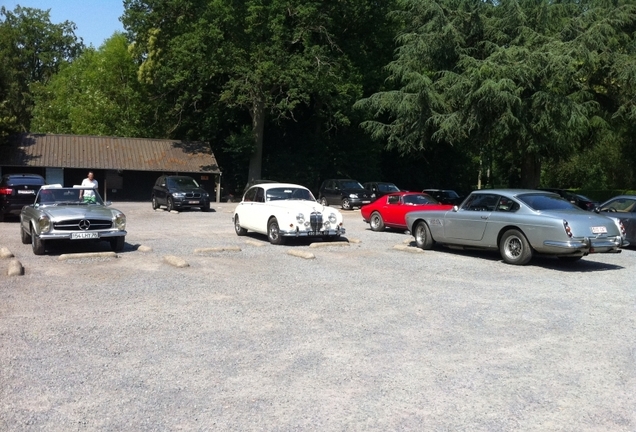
x,y
54,248
295,241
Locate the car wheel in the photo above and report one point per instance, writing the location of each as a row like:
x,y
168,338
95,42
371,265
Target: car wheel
x,y
205,207
570,259
240,231
25,236
423,237
36,244
117,243
155,204
377,223
514,248
324,202
273,232
170,204
346,204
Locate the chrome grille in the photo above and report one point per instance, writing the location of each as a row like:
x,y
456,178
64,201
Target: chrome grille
x,y
81,224
315,220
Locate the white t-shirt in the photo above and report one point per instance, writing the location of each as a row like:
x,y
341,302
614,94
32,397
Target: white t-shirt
x,y
87,182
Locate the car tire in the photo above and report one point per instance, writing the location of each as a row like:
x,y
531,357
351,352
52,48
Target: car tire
x,y
117,243
37,244
240,231
170,204
205,208
273,232
346,204
324,202
155,204
514,248
423,238
570,259
25,236
376,222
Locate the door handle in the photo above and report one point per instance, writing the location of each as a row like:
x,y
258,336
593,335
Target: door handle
x,y
484,217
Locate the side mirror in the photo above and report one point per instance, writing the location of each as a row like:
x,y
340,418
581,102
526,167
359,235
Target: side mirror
x,y
107,203
597,209
455,208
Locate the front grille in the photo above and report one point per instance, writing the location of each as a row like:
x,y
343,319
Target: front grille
x,y
315,220
83,224
193,195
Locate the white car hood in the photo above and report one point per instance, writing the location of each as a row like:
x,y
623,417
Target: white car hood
x,y
301,206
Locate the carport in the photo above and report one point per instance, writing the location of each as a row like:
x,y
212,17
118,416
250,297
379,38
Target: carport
x,y
126,168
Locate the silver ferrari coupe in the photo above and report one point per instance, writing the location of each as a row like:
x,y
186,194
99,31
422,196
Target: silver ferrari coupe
x,y
73,214
519,223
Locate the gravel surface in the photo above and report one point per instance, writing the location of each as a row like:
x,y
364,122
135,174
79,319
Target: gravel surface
x,y
364,337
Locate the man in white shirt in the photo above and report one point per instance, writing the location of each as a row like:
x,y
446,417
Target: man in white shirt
x,y
89,195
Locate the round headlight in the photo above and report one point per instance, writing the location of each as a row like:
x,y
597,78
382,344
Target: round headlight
x,y
326,224
120,221
300,218
44,223
332,218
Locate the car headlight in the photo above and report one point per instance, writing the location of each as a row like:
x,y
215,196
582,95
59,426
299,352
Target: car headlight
x,y
353,196
44,223
332,218
120,221
178,194
300,218
326,224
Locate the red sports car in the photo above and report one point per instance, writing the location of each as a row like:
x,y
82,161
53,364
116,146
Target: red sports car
x,y
390,210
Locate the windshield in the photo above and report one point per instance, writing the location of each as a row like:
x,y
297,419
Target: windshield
x,y
540,201
419,199
450,194
350,184
182,182
387,187
68,196
289,193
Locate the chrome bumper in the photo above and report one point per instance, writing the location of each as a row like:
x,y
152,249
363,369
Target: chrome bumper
x,y
324,233
589,245
67,235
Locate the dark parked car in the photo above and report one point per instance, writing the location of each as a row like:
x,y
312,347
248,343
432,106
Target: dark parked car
x,y
379,189
179,192
18,190
622,207
445,196
578,200
346,193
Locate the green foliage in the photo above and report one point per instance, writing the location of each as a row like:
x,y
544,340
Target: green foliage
x,y
32,50
97,94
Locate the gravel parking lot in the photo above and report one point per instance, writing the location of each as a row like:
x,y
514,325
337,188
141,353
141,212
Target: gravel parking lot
x,y
363,337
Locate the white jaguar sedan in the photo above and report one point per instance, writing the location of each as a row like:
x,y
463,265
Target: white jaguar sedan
x,y
281,210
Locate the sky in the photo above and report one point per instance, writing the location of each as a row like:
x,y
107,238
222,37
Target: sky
x,y
96,20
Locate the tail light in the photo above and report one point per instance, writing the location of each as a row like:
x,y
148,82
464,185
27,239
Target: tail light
x,y
622,228
566,227
5,191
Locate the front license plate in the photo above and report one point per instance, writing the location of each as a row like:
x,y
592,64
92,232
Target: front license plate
x,y
26,192
193,202
84,235
599,230
366,202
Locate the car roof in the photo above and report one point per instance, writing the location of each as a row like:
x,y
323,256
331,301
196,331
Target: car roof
x,y
278,185
511,192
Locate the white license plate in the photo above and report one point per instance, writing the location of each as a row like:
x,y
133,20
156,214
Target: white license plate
x,y
193,202
366,202
84,235
26,192
599,230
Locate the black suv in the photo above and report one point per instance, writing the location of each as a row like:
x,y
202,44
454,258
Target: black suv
x,y
445,196
179,192
379,189
346,193
580,201
18,190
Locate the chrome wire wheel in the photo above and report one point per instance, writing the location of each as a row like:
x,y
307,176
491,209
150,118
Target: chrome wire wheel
x,y
514,248
423,238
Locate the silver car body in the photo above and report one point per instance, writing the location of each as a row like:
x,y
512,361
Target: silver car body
x,y
58,213
622,207
486,215
293,208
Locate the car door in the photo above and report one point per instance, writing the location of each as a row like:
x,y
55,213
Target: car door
x,y
160,190
468,224
246,209
393,209
624,209
332,193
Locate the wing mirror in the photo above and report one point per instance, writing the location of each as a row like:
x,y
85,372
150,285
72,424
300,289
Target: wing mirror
x,y
455,208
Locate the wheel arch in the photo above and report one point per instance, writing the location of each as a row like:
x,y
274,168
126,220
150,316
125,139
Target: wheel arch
x,y
503,230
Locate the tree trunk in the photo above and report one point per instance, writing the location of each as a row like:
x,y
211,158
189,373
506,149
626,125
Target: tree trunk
x,y
258,126
530,171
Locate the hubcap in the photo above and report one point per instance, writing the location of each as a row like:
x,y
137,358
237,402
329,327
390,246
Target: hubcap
x,y
513,247
273,232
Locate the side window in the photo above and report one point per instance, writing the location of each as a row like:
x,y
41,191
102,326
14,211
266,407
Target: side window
x,y
481,202
507,205
260,195
394,199
160,180
250,195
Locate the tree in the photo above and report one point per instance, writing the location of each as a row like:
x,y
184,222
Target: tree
x,y
511,81
97,94
32,49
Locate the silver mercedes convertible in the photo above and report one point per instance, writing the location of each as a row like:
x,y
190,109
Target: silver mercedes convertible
x,y
519,223
73,214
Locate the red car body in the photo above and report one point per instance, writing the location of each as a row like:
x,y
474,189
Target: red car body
x,y
390,210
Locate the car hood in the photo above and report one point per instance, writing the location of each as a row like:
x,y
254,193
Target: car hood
x,y
359,192
78,212
302,206
187,189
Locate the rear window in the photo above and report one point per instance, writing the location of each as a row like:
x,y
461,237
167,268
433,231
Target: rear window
x,y
20,180
547,202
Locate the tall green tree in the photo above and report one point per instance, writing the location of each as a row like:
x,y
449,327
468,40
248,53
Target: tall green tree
x,y
97,94
32,49
512,81
264,61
